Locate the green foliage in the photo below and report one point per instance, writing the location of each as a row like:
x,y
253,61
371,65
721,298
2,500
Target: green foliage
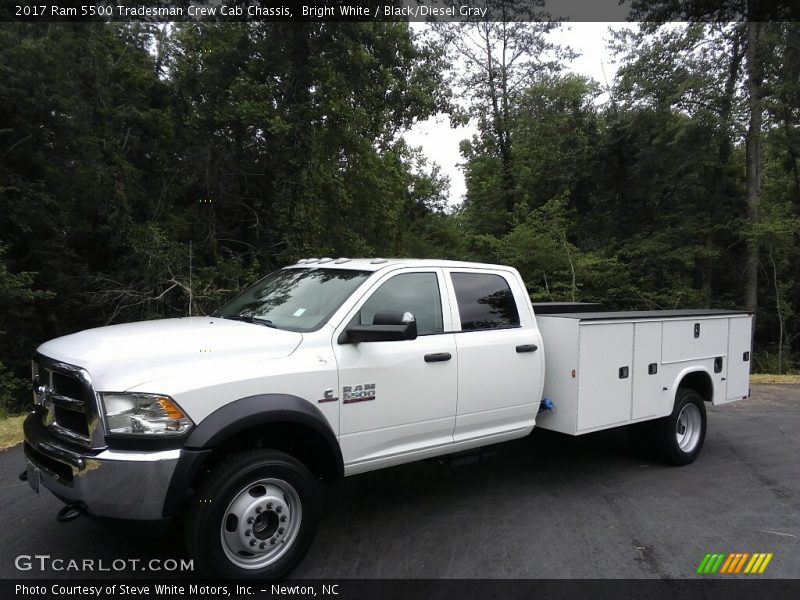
x,y
16,288
17,298
553,267
150,171
12,390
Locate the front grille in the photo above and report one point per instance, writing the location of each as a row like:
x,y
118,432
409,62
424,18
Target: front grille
x,y
67,385
68,407
72,421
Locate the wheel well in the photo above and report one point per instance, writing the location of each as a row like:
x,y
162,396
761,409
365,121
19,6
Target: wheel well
x,y
700,382
298,441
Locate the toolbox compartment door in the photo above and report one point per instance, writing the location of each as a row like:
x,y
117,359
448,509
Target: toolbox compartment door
x,y
738,377
649,396
693,339
604,372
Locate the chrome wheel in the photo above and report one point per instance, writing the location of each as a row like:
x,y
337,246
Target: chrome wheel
x,y
261,523
688,428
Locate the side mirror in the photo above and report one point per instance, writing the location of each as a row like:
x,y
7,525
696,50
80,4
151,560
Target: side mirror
x,y
386,327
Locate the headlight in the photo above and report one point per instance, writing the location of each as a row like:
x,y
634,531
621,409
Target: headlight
x,y
148,414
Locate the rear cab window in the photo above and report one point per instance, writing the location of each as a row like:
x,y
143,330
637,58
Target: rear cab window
x,y
485,301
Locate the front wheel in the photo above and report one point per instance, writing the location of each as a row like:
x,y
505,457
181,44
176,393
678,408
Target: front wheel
x,y
680,436
255,516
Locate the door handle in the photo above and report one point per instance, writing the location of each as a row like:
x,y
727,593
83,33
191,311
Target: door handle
x,y
527,348
438,357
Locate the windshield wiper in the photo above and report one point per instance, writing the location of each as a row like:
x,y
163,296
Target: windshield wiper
x,y
249,319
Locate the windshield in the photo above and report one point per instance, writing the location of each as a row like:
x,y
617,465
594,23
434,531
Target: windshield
x,y
294,299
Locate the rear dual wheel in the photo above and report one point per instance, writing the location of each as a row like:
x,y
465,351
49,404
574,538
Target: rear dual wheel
x,y
678,438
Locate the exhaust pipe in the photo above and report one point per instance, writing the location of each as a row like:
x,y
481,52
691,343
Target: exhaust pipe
x,y
70,512
24,475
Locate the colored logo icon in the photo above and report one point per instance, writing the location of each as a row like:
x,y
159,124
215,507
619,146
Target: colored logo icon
x,y
735,563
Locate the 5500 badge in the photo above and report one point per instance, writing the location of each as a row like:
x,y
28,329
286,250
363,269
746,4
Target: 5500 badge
x,y
359,393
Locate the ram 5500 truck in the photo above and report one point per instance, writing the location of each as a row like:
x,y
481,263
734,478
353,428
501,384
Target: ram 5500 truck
x,y
329,368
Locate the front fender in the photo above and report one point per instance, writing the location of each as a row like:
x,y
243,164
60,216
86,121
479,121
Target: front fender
x,y
261,409
236,417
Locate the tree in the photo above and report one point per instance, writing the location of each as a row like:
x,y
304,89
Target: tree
x,y
495,62
293,136
732,75
755,76
17,299
756,15
150,171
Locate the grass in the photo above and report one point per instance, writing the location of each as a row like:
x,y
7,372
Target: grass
x,y
770,378
10,431
11,426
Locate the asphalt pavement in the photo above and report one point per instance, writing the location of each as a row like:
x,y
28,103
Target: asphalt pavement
x,y
548,506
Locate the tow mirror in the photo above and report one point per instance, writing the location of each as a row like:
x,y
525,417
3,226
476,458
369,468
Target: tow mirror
x,y
386,327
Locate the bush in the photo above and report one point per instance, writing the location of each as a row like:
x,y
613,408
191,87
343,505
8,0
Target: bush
x,y
13,393
767,361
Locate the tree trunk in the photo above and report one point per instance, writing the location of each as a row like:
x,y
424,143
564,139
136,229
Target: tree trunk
x,y
796,174
508,168
753,161
499,101
726,106
778,310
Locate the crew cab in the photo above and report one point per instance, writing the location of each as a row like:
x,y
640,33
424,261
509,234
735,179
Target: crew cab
x,y
329,368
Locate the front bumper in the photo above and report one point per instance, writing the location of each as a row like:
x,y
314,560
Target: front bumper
x,y
112,484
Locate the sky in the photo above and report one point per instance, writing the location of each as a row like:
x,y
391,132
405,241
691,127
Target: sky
x,y
440,142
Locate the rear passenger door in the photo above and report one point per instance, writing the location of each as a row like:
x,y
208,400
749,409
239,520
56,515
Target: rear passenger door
x,y
499,354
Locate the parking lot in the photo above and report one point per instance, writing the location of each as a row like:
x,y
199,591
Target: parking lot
x,y
548,506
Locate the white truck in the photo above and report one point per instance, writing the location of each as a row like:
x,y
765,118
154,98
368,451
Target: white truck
x,y
329,368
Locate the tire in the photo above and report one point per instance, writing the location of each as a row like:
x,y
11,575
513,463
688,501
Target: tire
x,y
254,517
680,436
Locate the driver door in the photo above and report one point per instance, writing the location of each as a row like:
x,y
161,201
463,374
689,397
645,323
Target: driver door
x,y
398,398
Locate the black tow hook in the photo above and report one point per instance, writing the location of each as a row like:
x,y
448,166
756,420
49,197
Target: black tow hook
x,y
70,512
24,475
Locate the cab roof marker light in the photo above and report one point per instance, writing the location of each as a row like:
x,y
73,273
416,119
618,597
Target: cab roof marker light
x,y
378,261
322,261
341,260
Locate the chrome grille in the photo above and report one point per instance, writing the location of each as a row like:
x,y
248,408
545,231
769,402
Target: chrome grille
x,y
65,401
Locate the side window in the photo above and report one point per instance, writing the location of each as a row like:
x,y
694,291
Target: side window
x,y
485,301
417,293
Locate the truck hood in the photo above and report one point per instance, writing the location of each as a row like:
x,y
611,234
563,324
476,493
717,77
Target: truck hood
x,y
120,357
